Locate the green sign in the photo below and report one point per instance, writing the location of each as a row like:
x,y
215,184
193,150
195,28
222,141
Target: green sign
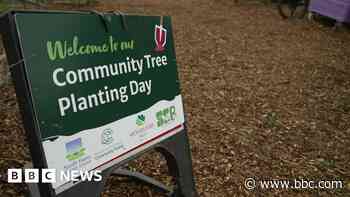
x,y
100,93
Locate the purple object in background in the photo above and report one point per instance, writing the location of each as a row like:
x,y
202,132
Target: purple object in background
x,y
336,9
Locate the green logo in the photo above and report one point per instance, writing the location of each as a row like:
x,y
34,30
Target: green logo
x,y
165,116
140,120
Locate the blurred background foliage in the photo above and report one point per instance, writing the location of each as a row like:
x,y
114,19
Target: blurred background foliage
x,y
8,4
3,5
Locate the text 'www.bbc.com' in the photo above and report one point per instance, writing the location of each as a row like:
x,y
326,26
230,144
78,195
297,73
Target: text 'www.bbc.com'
x,y
252,184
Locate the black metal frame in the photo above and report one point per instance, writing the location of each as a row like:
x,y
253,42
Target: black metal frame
x,y
15,57
175,149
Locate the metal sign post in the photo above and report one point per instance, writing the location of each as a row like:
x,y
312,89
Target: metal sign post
x,y
95,94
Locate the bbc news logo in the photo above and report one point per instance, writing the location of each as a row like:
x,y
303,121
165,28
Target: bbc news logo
x,y
51,176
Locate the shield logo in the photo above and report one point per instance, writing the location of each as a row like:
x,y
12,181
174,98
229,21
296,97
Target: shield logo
x,y
160,37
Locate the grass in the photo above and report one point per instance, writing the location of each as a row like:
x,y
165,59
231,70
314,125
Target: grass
x,y
3,6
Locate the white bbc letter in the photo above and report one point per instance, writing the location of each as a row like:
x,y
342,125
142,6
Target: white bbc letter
x,y
75,175
31,175
14,175
48,176
98,175
65,176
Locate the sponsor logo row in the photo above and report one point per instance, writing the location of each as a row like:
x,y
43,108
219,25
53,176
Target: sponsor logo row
x,y
76,152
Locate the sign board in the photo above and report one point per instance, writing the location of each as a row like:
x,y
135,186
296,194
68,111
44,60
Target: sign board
x,y
100,93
